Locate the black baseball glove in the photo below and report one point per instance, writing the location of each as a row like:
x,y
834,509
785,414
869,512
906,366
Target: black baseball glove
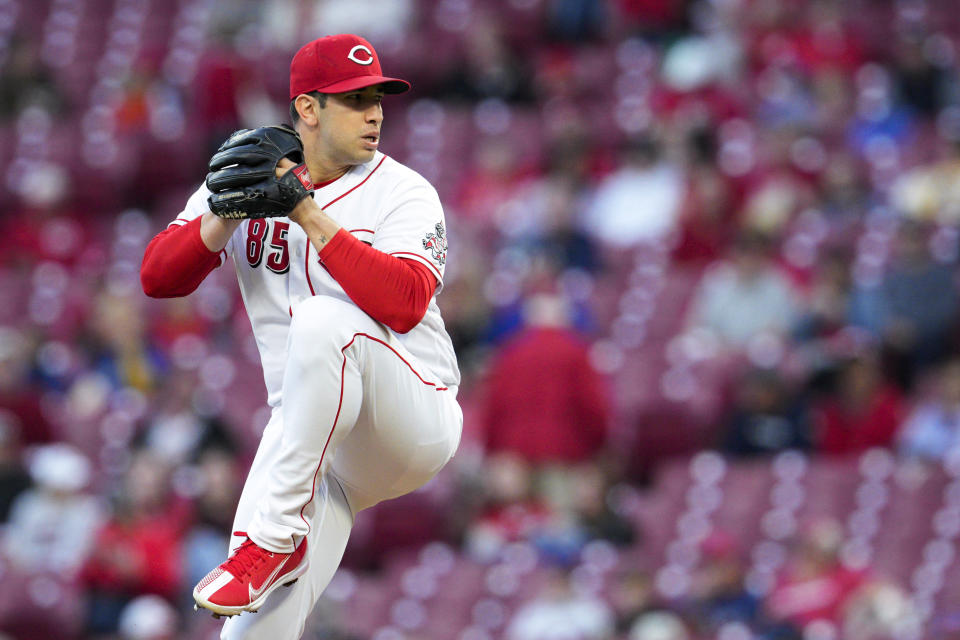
x,y
243,181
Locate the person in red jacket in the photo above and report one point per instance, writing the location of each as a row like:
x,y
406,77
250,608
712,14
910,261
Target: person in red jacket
x,y
138,550
360,373
814,584
545,400
864,412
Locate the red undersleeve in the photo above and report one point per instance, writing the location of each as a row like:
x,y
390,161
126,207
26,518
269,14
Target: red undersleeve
x,y
176,261
394,291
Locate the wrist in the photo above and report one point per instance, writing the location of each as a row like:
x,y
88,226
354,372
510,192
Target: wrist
x,y
304,211
318,226
216,231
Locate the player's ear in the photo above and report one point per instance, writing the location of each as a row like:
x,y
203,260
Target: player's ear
x,y
307,107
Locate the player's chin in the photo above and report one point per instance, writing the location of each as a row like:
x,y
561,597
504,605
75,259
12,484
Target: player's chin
x,y
366,154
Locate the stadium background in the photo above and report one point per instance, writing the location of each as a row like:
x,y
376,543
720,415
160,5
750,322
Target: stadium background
x,y
702,284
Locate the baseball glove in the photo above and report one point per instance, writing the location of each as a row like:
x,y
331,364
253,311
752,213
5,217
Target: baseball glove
x,y
242,179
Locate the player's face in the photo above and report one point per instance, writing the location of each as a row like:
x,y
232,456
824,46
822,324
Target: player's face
x,y
348,129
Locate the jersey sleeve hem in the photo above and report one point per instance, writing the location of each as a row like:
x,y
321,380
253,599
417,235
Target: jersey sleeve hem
x,y
408,255
222,254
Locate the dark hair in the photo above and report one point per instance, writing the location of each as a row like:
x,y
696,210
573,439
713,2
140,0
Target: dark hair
x,y
321,98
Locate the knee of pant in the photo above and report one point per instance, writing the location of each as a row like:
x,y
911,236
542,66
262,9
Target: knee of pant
x,y
324,320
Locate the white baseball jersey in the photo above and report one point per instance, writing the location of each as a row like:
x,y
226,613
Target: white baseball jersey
x,y
382,203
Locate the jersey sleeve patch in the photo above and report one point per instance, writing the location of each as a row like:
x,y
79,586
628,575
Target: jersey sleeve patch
x,y
436,243
412,225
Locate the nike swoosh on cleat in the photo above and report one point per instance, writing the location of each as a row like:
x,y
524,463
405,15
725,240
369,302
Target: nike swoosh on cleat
x,y
256,593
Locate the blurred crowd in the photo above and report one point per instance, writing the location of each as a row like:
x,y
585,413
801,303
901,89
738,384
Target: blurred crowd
x,y
675,225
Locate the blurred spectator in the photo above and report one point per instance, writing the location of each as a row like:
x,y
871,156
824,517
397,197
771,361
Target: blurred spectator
x,y
932,429
919,303
864,410
149,618
697,64
880,610
385,23
578,510
879,116
52,525
638,202
921,83
176,431
766,417
718,591
545,401
631,594
786,103
489,182
650,16
21,410
705,217
577,20
931,192
217,94
25,80
778,190
559,612
14,478
590,500
44,225
834,98
138,551
827,308
255,105
220,480
175,318
510,509
467,311
659,625
575,249
536,275
487,67
827,35
814,585
843,192
133,112
746,296
117,343
541,216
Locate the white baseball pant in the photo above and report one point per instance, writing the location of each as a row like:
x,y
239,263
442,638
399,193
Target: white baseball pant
x,y
360,421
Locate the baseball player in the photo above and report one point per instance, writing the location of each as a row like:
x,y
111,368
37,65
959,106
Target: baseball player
x,y
340,252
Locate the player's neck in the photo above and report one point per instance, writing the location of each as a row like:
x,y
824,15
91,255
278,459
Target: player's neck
x,y
325,175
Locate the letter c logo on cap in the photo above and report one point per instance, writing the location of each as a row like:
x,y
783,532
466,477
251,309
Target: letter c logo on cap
x,y
364,61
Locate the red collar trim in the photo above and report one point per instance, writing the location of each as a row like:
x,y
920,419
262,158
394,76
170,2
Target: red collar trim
x,y
357,186
320,185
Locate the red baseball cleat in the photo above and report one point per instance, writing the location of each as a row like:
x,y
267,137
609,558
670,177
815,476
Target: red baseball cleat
x,y
244,581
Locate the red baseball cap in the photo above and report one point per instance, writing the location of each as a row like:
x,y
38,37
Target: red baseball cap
x,y
334,64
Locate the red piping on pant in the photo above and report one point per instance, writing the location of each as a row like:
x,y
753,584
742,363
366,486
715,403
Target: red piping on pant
x,y
343,367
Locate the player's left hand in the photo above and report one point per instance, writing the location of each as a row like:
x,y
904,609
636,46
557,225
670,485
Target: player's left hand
x,y
243,180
